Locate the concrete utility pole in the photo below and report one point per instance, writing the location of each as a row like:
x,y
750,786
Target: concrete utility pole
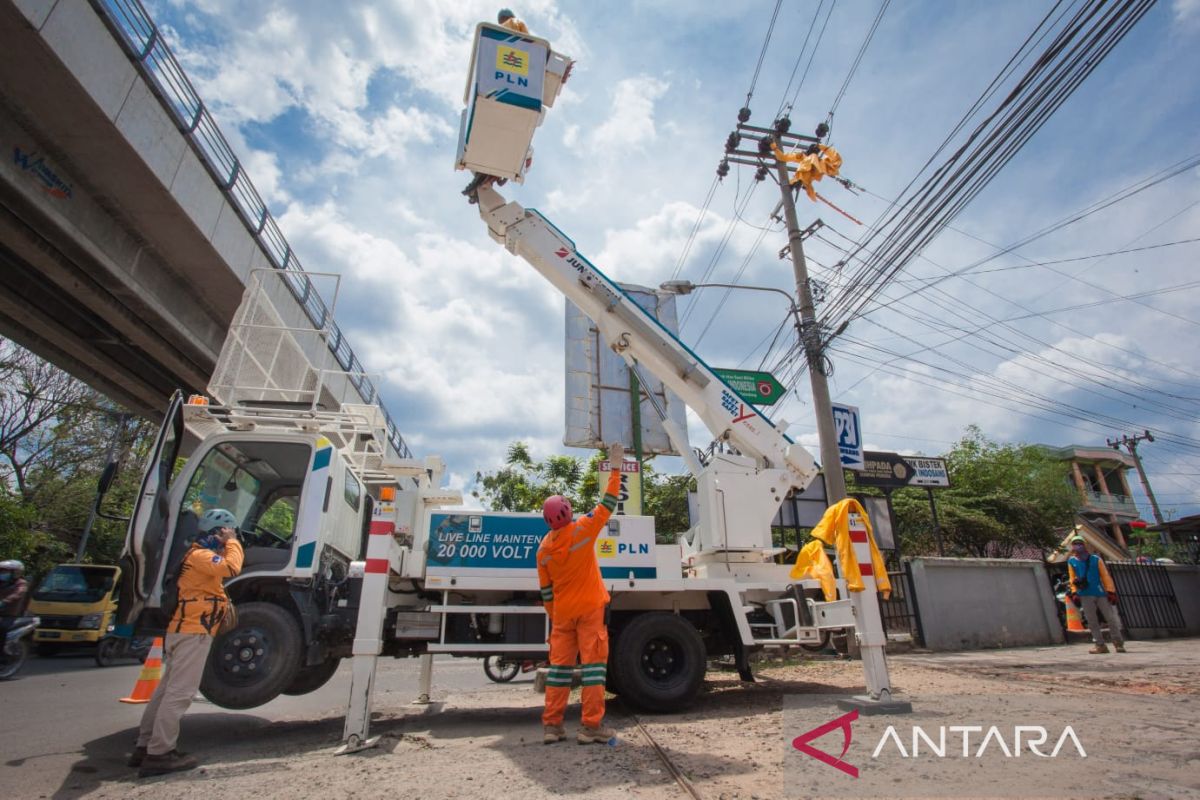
x,y
1131,443
807,327
810,336
870,635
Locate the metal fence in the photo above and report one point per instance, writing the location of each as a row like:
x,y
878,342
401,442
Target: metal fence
x,y
900,612
1146,596
132,26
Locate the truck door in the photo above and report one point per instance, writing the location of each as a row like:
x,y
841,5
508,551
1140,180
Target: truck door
x,y
147,539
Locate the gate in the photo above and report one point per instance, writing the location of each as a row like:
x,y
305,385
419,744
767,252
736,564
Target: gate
x,y
1146,596
900,613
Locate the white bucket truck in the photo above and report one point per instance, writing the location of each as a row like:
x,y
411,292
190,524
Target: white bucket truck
x,y
354,549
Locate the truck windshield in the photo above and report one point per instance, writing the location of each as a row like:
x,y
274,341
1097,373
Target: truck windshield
x,y
71,583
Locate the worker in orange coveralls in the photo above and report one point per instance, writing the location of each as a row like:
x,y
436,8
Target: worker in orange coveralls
x,y
575,601
509,20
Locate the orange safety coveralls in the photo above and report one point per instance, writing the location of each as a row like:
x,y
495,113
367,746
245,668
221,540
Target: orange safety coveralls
x,y
811,168
512,23
575,597
202,598
834,531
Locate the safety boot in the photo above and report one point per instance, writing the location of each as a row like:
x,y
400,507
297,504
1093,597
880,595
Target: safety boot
x,y
1100,648
597,735
173,761
136,757
552,734
1120,647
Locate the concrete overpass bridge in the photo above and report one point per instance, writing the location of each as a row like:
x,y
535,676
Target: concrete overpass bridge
x,y
128,228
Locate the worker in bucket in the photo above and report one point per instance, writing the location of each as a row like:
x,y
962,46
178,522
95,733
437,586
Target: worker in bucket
x,y
575,601
506,18
202,610
1096,592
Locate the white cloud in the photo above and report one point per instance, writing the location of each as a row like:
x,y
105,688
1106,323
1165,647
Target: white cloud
x,y
1186,11
630,122
353,107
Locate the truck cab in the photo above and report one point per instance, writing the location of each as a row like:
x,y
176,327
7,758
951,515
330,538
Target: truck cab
x,y
75,603
302,511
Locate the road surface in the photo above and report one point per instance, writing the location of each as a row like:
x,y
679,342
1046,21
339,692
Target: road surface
x,y
64,730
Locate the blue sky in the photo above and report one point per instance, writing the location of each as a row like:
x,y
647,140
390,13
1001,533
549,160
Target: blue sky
x,y
346,116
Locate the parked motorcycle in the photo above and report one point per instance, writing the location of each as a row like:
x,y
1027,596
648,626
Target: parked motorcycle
x,y
501,669
16,645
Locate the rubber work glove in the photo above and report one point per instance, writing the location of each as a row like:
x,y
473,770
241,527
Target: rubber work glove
x,y
1074,598
1112,597
616,454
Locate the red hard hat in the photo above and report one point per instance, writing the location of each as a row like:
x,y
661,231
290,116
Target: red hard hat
x,y
556,511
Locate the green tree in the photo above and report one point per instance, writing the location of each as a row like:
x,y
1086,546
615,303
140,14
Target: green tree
x,y
55,435
523,484
1002,497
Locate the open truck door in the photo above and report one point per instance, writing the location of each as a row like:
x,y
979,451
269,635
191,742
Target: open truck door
x,y
148,538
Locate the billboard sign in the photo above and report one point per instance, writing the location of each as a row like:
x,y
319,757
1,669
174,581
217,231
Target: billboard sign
x,y
598,396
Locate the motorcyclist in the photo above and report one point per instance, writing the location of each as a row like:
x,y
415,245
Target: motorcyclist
x,y
14,592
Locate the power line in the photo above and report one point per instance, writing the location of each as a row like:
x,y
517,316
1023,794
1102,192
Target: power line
x,y
812,26
858,60
1072,55
763,53
791,103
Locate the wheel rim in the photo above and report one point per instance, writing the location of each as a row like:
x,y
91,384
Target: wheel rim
x,y
244,656
662,660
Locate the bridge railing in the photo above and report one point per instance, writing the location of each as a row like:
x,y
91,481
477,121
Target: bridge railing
x,y
133,27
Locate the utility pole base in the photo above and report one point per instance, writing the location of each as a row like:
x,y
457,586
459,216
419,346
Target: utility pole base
x,y
868,706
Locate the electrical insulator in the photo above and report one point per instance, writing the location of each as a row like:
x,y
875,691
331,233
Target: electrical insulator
x,y
760,174
744,114
732,142
822,131
722,169
764,145
783,125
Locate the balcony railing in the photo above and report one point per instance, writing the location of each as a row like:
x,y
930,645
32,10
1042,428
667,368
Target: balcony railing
x,y
1112,503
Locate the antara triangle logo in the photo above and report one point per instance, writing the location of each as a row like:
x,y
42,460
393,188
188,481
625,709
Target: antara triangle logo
x,y
801,743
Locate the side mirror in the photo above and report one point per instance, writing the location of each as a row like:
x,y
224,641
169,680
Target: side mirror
x,y
106,478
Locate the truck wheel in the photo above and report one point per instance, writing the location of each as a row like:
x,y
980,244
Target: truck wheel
x,y
819,646
661,661
612,681
255,661
309,679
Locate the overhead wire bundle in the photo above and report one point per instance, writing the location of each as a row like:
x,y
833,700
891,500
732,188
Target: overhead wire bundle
x,y
922,211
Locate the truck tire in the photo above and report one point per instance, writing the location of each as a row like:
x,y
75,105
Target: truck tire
x,y
660,659
612,681
309,679
256,661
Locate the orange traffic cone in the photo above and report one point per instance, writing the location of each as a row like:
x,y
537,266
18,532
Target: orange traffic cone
x,y
151,674
1074,618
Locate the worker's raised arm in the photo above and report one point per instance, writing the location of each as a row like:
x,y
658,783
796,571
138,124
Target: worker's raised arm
x,y
590,525
207,562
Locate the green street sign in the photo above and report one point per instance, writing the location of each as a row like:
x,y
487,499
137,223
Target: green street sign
x,y
758,388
